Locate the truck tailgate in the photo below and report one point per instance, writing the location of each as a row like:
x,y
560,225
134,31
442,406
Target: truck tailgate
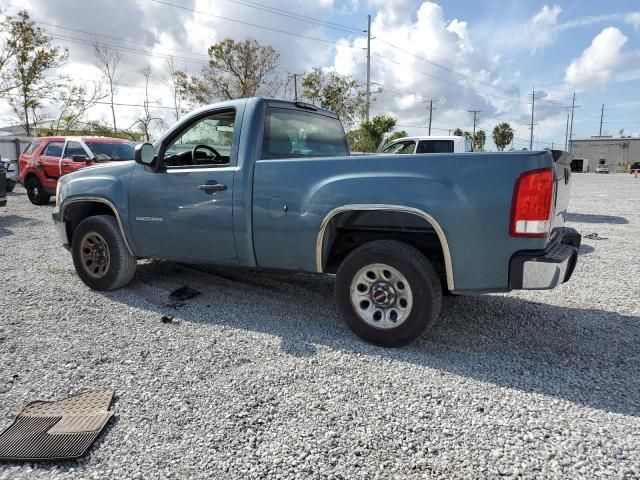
x,y
562,161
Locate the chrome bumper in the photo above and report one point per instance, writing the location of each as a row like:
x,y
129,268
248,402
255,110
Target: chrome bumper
x,y
60,226
546,269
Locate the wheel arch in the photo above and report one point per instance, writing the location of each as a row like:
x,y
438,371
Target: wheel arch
x,y
324,242
74,211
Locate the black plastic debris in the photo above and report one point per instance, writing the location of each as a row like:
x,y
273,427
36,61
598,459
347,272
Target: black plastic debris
x,y
595,236
61,430
184,293
167,318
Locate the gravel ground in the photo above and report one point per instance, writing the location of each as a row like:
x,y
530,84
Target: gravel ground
x,y
259,378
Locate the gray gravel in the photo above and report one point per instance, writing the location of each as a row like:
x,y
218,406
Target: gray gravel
x,y
258,377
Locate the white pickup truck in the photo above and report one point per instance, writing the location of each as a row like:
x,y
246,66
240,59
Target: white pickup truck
x,y
428,144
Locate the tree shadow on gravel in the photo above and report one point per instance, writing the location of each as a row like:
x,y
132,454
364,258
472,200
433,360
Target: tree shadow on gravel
x,y
590,218
590,357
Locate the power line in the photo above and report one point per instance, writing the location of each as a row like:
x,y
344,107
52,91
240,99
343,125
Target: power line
x,y
296,16
242,22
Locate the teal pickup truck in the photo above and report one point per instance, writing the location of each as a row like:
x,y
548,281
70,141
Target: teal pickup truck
x,y
270,184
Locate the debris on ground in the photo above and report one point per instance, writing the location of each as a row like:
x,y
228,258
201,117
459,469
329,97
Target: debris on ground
x,y
595,236
60,430
184,293
167,318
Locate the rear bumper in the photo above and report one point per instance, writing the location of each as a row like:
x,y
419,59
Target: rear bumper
x,y
546,269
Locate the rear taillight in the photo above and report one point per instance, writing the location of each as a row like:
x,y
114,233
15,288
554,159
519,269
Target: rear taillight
x,y
531,211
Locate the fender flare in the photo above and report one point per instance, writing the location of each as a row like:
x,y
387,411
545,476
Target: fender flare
x,y
104,201
393,208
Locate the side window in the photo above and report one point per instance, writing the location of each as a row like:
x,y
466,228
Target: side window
x,y
435,146
401,148
74,148
213,137
31,147
54,149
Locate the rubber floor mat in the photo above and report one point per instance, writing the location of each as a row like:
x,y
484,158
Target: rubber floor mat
x,y
57,430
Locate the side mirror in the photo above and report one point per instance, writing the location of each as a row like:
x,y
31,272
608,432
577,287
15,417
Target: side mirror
x,y
145,154
79,158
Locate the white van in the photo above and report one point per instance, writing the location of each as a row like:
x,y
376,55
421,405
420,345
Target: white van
x,y
433,144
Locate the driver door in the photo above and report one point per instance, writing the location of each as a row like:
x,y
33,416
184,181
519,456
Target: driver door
x,y
184,210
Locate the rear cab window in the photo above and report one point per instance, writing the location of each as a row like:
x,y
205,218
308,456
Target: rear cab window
x,y
53,149
293,133
435,146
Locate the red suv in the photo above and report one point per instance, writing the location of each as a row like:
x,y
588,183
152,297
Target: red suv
x,y
46,159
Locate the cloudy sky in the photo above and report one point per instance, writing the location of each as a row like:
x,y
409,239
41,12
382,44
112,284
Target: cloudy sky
x,y
485,55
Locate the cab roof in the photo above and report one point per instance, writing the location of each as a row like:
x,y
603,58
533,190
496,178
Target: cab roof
x,y
88,139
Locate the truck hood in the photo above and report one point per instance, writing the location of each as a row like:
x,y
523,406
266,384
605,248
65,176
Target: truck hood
x,y
115,169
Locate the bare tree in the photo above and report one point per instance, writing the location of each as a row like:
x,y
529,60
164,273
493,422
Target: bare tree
x,y
149,117
74,101
108,62
174,82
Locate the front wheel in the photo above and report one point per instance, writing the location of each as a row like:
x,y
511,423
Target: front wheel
x,y
388,293
100,254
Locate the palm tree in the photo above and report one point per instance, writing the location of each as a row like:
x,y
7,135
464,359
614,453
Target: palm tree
x,y
502,135
479,141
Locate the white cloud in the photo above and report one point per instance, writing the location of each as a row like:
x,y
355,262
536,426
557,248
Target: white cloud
x,y
634,19
529,35
596,67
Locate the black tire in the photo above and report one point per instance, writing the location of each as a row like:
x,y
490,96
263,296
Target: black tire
x,y
36,192
122,264
11,186
424,285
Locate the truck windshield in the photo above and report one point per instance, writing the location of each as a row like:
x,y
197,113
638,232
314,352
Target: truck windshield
x,y
112,151
297,134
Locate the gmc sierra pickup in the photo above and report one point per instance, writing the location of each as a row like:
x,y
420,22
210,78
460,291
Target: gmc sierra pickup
x,y
270,184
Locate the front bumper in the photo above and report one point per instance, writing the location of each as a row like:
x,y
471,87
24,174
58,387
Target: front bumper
x,y
546,269
60,226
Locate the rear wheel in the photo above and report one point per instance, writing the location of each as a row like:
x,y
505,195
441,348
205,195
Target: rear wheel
x,y
100,255
36,192
388,293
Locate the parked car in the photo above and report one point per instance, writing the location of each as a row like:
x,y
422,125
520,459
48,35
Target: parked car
x,y
11,171
45,160
602,169
427,144
635,167
3,185
270,184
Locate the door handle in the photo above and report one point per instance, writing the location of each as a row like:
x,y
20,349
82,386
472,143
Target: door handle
x,y
212,187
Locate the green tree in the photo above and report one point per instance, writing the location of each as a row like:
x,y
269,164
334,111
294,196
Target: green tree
x,y
369,136
235,70
335,92
479,141
458,132
396,135
25,73
73,102
502,135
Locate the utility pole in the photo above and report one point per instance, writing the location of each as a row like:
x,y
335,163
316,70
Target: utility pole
x,y
601,117
475,118
566,135
573,107
533,107
295,87
431,109
368,67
